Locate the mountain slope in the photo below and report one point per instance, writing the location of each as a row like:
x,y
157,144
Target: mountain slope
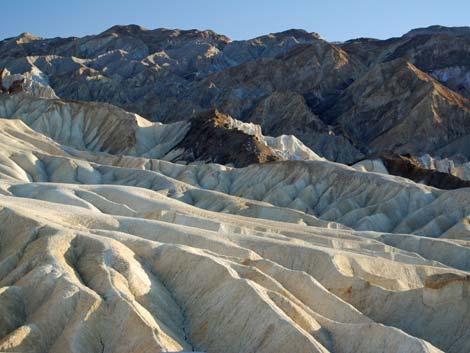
x,y
397,107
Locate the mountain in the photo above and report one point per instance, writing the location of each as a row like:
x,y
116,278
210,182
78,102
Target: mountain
x,y
293,82
397,107
166,190
165,75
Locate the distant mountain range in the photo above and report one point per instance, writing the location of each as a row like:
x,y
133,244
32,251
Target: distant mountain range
x,y
344,100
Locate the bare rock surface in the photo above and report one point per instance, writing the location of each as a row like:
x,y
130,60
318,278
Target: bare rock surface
x,y
414,168
165,75
128,253
126,259
293,82
221,231
397,107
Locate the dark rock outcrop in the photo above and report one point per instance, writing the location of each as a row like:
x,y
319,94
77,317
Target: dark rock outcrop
x,y
16,86
408,167
13,87
211,139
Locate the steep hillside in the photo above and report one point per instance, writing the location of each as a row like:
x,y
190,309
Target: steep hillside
x,y
397,107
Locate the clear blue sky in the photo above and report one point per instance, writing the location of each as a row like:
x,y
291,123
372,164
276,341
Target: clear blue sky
x,y
238,19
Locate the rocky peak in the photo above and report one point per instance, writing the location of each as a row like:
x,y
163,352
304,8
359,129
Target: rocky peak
x,y
26,37
299,34
439,30
131,29
212,138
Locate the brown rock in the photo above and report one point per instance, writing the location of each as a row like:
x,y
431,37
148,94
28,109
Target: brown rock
x,y
211,139
441,280
408,167
397,107
16,86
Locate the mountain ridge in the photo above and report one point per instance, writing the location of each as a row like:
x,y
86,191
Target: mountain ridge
x,y
292,76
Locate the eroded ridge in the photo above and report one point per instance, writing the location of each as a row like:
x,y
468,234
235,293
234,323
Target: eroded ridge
x,y
124,253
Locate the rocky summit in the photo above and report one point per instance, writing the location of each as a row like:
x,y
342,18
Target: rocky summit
x,y
175,191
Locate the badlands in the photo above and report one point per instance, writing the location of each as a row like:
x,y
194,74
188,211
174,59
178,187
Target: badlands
x,y
221,231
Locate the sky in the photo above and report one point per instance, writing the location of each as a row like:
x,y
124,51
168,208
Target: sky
x,y
334,20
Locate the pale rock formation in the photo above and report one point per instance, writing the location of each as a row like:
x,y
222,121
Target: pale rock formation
x,y
123,268
371,165
32,83
287,147
455,166
106,245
